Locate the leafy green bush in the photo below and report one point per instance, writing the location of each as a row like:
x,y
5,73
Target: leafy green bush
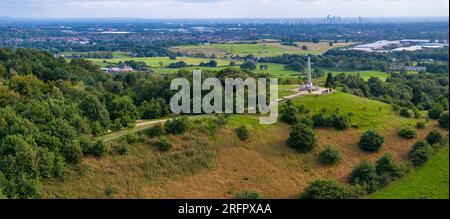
x,y
365,175
289,113
131,138
340,122
420,125
435,112
247,195
420,152
122,149
243,133
177,126
405,112
443,120
371,141
221,120
335,120
387,169
72,152
100,148
110,191
408,132
305,120
326,189
322,119
329,156
302,138
46,160
155,131
163,143
434,137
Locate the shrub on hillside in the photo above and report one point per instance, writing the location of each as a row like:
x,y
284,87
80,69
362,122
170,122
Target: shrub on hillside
x,y
155,131
434,137
329,156
365,175
408,132
420,125
243,133
177,126
122,149
288,113
131,138
443,120
435,112
340,122
100,148
247,195
420,152
45,163
221,120
387,169
302,138
326,189
163,143
371,141
110,191
72,152
305,120
322,119
335,120
405,112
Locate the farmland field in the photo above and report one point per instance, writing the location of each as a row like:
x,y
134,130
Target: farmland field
x,y
365,75
154,62
259,49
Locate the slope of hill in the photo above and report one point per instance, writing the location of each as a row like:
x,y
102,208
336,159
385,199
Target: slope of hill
x,y
202,165
428,182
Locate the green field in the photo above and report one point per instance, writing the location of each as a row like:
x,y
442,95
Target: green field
x,y
259,49
365,75
428,182
276,70
154,62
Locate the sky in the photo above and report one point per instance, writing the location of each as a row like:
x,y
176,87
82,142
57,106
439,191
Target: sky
x,y
222,8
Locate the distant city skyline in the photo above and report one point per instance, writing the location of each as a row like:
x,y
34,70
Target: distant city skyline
x,y
222,8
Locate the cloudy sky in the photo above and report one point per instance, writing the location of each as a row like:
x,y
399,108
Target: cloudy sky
x,y
222,8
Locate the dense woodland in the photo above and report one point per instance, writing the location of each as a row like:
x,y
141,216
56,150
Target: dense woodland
x,y
49,109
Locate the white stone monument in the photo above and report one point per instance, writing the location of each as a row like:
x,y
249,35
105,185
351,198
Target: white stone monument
x,y
309,86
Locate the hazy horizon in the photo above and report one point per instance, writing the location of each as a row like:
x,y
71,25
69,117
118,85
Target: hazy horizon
x,y
222,9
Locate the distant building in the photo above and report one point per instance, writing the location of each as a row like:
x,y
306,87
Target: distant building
x,y
117,69
379,45
398,45
409,68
